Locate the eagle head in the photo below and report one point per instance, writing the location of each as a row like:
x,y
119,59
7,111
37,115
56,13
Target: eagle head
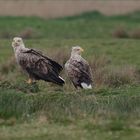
x,y
17,43
77,50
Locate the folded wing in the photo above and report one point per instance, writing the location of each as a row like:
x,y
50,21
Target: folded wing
x,y
41,67
79,72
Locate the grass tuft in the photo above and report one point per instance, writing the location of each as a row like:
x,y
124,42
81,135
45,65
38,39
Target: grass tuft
x,y
29,33
120,76
120,33
8,66
60,55
108,75
20,86
6,34
135,34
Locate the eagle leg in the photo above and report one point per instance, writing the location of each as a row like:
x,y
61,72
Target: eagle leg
x,y
30,81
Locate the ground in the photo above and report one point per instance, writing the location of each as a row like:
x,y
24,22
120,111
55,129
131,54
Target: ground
x,y
111,110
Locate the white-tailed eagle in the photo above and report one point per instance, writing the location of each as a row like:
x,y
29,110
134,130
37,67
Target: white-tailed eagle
x,y
35,64
78,69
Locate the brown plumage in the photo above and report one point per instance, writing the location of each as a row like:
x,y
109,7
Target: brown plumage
x,y
78,69
37,65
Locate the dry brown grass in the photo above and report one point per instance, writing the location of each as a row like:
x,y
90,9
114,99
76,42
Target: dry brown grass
x,y
29,33
1,77
8,66
121,75
59,55
106,74
135,34
6,34
98,65
120,32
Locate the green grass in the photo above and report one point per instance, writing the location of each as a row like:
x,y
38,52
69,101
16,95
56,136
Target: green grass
x,y
85,129
74,115
43,111
89,25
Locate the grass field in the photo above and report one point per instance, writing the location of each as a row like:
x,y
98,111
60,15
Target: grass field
x,y
111,110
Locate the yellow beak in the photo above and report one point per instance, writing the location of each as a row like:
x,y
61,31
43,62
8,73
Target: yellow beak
x,y
81,49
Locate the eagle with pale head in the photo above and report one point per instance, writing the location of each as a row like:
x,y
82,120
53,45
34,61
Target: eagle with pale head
x,y
35,64
78,69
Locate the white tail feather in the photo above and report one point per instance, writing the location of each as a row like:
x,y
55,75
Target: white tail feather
x,y
61,78
85,86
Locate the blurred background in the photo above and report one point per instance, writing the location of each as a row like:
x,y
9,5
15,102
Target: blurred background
x,y
61,8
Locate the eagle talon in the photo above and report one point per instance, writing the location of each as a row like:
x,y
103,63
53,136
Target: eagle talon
x,y
29,81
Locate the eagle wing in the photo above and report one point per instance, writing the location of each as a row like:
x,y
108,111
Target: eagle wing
x,y
40,66
58,67
79,72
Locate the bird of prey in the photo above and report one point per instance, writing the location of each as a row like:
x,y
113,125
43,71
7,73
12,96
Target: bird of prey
x,y
78,69
35,64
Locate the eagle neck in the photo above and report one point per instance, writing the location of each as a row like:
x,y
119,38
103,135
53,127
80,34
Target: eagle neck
x,y
76,56
19,48
22,46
